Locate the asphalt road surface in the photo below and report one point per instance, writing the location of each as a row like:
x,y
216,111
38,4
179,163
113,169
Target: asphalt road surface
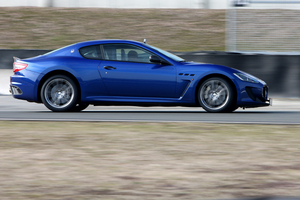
x,y
283,111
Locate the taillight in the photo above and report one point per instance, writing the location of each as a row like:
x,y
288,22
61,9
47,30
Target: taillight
x,y
19,66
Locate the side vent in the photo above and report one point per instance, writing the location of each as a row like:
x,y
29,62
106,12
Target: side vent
x,y
180,74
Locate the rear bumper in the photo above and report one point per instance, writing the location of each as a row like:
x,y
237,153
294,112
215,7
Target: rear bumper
x,y
23,85
15,90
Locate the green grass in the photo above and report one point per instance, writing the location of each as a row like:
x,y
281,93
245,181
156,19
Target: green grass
x,y
82,160
171,29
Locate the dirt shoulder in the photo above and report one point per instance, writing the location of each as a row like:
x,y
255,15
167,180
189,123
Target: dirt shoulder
x,y
64,160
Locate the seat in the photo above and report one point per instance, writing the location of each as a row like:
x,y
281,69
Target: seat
x,y
132,56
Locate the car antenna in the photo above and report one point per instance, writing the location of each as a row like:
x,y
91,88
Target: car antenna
x,y
145,41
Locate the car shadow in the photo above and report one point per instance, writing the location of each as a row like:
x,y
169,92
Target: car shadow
x,y
168,111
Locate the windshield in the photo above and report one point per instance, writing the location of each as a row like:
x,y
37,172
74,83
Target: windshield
x,y
168,54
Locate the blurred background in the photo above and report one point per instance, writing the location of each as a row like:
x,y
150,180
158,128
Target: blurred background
x,y
206,4
195,4
210,25
243,25
158,160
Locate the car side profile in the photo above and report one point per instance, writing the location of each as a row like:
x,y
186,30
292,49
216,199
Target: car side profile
x,y
122,72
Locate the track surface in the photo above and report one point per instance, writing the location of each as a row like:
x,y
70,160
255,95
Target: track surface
x,y
283,111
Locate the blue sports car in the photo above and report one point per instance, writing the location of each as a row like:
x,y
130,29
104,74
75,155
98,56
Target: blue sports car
x,y
121,72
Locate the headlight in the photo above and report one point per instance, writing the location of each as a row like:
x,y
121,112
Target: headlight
x,y
246,77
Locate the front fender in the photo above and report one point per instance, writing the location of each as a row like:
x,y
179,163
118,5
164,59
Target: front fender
x,y
217,73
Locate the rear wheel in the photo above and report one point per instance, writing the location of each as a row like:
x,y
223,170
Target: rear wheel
x,y
59,93
217,95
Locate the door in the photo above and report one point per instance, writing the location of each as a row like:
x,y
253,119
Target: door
x,y
127,71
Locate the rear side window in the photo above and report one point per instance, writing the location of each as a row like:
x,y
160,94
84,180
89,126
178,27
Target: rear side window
x,y
90,52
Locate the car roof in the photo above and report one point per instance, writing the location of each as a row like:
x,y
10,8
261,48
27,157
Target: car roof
x,y
68,50
94,42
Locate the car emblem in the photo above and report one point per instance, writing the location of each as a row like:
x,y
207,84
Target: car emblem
x,y
72,51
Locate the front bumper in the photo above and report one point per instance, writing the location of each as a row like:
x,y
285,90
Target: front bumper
x,y
255,95
268,102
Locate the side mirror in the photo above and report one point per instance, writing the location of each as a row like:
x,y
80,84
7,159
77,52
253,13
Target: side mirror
x,y
156,59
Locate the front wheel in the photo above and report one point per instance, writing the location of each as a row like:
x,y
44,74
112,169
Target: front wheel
x,y
217,95
59,93
79,107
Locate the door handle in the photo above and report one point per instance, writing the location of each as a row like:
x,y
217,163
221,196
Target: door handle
x,y
109,67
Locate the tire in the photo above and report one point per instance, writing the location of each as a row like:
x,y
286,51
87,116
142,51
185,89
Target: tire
x,y
217,95
59,93
79,107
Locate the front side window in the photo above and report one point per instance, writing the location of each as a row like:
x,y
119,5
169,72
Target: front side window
x,y
168,54
90,52
126,52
